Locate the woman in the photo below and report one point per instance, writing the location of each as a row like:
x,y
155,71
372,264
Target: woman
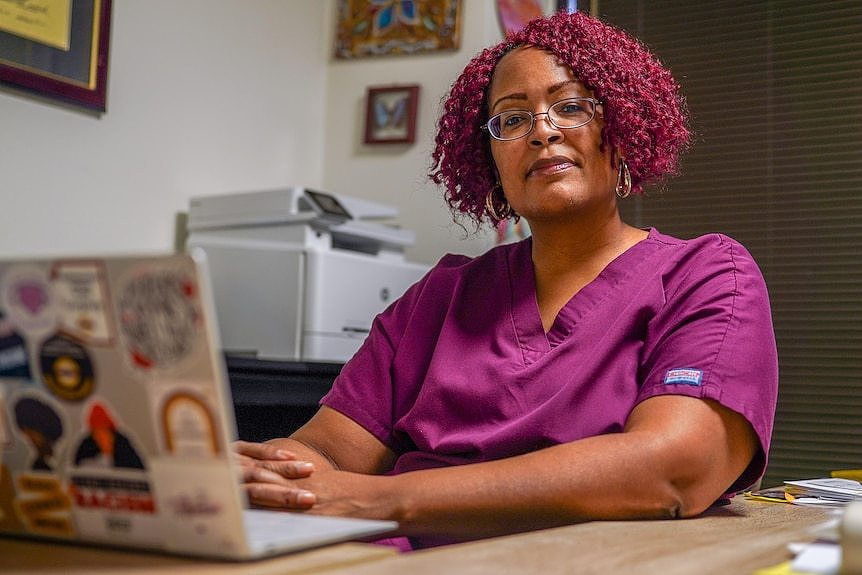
x,y
594,370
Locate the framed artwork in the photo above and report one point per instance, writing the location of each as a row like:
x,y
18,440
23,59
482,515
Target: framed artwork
x,y
383,27
514,14
390,114
57,49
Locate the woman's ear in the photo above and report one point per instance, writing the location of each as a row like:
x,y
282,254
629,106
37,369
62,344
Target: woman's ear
x,y
616,156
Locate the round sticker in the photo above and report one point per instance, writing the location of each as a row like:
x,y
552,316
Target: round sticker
x,y
26,296
159,318
66,368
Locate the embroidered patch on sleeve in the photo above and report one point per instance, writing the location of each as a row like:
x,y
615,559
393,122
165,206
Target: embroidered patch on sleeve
x,y
683,377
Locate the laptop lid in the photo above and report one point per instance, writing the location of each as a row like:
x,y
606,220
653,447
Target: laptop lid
x,y
115,413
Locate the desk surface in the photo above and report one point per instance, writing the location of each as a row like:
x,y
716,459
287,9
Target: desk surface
x,y
31,557
740,538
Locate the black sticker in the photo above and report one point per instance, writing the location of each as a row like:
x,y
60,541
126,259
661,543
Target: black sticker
x,y
42,427
66,368
14,361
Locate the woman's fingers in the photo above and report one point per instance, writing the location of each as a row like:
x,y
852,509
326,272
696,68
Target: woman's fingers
x,y
268,488
257,474
272,495
289,469
269,457
262,451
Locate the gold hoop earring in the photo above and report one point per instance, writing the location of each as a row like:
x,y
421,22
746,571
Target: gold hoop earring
x,y
505,209
624,180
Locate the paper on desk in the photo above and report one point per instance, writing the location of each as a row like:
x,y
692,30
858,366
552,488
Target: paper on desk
x,y
831,491
819,558
817,502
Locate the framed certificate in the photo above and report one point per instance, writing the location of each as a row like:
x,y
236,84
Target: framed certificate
x,y
57,49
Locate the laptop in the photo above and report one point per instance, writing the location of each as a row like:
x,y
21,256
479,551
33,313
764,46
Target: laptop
x,y
116,418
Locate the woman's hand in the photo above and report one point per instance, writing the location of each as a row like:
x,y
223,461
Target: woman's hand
x,y
328,464
347,494
269,475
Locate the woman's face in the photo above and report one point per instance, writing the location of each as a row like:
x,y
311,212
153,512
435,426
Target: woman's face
x,y
550,174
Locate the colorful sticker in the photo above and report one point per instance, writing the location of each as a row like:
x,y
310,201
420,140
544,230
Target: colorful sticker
x,y
66,368
115,504
9,520
80,292
188,426
105,446
159,318
112,494
5,431
14,360
43,505
198,503
42,429
25,294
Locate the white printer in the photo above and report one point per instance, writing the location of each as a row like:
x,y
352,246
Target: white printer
x,y
299,274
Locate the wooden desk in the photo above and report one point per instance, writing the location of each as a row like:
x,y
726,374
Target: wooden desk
x,y
31,557
740,538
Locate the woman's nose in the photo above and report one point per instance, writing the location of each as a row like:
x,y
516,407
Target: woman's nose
x,y
544,132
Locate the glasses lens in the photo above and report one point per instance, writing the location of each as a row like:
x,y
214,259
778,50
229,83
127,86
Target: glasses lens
x,y
511,124
572,113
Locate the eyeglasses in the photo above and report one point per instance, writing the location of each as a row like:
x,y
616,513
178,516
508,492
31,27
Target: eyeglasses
x,y
565,114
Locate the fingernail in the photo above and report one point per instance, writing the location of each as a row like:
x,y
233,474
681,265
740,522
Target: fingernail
x,y
282,454
304,466
305,498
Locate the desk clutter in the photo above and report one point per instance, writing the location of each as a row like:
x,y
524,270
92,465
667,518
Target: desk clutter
x,y
837,548
835,491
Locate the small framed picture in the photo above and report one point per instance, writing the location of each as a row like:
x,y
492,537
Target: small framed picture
x,y
390,114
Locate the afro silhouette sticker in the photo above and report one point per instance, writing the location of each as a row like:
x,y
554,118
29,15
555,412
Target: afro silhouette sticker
x,y
41,426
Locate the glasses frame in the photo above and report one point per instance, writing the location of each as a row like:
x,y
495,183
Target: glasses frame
x,y
487,125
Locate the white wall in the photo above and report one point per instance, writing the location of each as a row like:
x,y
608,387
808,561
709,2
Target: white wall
x,y
204,97
396,173
217,96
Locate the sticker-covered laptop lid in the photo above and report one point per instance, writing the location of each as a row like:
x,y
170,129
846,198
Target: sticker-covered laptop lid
x,y
114,425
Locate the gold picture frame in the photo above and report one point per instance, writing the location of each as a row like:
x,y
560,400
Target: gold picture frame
x,y
57,49
369,28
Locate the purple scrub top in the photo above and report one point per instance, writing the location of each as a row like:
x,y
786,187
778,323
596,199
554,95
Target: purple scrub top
x,y
460,370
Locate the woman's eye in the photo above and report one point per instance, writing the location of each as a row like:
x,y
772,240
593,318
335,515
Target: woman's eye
x,y
513,120
570,108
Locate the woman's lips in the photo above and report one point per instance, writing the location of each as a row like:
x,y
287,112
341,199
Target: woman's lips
x,y
550,166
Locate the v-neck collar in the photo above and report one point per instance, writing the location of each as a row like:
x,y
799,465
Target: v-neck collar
x,y
527,321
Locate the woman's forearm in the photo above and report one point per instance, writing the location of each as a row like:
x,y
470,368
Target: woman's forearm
x,y
680,455
303,452
606,477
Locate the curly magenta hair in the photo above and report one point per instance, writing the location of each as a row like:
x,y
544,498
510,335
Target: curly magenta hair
x,y
645,115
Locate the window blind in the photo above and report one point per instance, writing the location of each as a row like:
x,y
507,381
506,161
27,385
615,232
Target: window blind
x,y
775,93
